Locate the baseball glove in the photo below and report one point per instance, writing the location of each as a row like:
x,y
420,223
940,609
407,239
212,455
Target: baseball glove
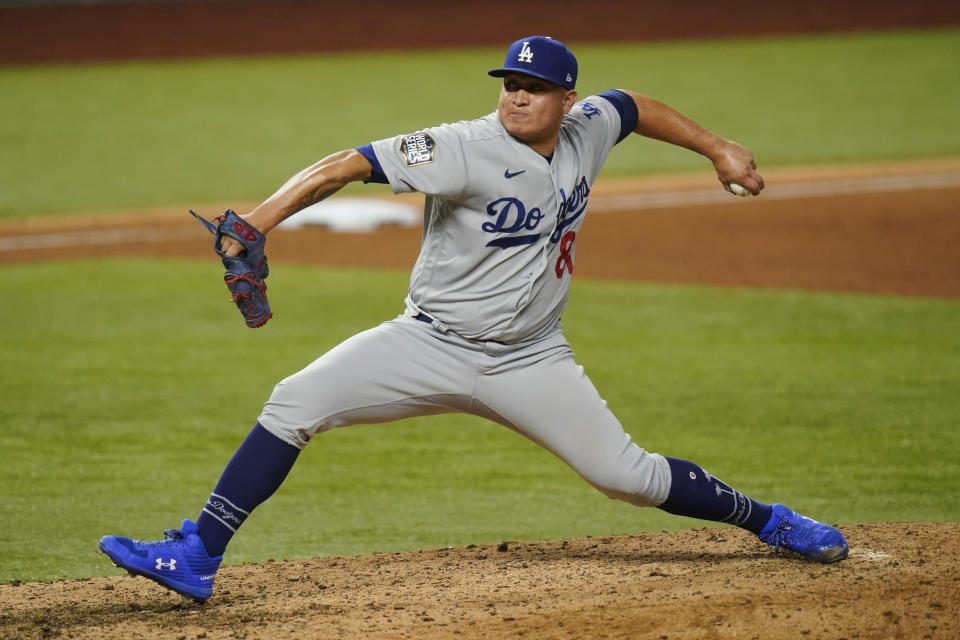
x,y
246,272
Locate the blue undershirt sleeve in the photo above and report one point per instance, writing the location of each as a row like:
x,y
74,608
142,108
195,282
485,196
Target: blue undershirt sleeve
x,y
376,174
627,109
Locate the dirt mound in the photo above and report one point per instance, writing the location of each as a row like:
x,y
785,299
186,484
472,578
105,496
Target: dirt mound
x,y
900,581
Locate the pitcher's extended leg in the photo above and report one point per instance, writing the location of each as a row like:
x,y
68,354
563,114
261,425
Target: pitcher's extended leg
x,y
552,402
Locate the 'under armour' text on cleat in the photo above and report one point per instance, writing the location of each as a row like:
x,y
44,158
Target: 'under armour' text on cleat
x,y
178,562
813,540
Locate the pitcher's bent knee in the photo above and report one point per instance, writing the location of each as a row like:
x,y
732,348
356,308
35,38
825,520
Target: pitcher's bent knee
x,y
285,414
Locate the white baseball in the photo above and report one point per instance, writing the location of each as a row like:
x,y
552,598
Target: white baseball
x,y
740,190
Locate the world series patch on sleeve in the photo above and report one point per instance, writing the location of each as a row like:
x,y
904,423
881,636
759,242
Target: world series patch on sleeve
x,y
418,149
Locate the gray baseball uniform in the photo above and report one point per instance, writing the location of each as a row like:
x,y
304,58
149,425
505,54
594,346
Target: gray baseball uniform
x,y
481,333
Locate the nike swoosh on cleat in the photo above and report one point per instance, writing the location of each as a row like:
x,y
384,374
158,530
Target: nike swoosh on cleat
x,y
508,175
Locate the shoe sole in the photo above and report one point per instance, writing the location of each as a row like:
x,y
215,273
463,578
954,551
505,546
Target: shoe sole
x,y
158,579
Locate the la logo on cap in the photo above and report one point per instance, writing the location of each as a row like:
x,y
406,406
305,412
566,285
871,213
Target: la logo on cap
x,y
553,61
526,55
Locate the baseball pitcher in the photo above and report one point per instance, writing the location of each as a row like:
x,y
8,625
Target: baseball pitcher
x,y
506,195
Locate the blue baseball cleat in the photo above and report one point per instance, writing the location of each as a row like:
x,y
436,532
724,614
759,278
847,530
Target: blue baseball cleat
x,y
178,562
813,540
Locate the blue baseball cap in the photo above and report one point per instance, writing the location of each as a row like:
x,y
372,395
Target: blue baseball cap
x,y
541,57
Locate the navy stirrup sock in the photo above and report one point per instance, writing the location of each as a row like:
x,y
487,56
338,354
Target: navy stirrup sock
x,y
255,472
696,494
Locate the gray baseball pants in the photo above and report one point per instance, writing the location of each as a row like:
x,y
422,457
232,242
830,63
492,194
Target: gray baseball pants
x,y
405,368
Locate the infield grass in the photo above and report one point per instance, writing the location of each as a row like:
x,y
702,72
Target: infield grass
x,y
128,384
95,137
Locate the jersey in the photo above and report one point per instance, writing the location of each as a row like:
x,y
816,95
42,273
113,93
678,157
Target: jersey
x,y
500,220
492,279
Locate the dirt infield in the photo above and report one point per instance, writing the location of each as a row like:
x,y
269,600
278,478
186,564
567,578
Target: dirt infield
x,y
83,31
900,581
890,229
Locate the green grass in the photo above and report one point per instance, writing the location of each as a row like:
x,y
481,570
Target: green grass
x,y
88,138
128,384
